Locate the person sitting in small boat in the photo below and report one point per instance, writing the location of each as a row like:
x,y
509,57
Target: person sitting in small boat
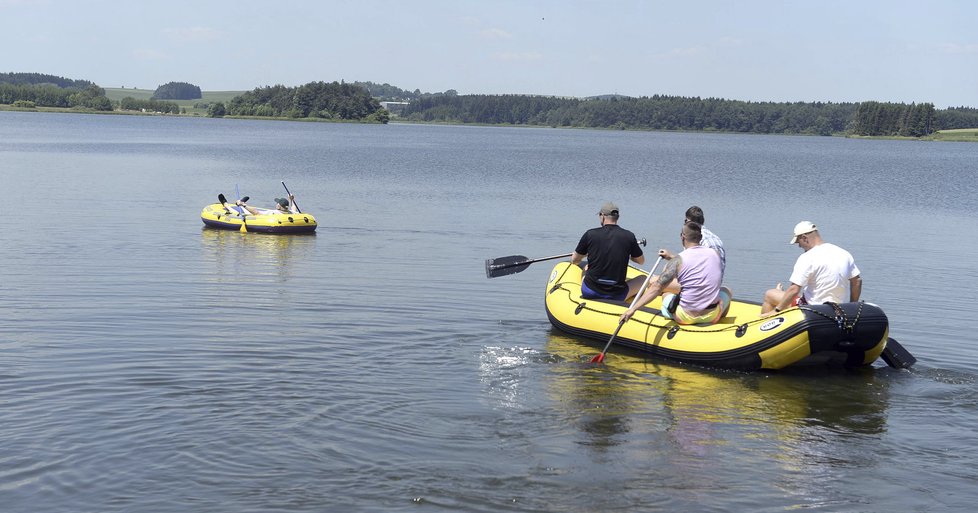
x,y
823,273
608,250
694,214
702,299
286,206
282,206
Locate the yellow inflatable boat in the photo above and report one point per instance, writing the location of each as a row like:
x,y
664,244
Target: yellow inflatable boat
x,y
850,334
226,216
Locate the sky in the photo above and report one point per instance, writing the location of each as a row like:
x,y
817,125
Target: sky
x,y
781,51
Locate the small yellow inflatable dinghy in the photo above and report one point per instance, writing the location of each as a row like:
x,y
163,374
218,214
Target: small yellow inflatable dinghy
x,y
849,334
226,216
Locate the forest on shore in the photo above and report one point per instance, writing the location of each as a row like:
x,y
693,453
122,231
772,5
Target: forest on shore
x,y
696,114
360,101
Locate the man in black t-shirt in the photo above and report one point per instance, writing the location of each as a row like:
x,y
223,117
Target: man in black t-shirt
x,y
608,250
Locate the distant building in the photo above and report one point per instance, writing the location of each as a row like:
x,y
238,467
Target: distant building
x,y
395,108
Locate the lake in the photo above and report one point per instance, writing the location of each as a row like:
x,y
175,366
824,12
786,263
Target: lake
x,y
148,364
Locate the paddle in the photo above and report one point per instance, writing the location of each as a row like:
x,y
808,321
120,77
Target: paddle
x,y
293,199
242,213
504,266
600,358
896,356
507,265
224,203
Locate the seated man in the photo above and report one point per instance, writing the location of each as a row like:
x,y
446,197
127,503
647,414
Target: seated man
x,y
698,270
282,206
608,249
285,206
823,273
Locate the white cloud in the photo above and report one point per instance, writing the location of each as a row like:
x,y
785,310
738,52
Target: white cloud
x,y
956,48
517,56
28,3
730,42
192,34
688,51
495,33
146,54
704,49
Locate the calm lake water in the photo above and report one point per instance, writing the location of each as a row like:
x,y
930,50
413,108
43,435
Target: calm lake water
x,y
150,365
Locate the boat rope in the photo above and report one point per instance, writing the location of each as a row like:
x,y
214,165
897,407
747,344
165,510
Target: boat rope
x,y
841,319
669,325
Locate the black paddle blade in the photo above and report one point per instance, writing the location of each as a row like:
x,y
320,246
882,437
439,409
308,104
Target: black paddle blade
x,y
896,356
222,199
507,265
245,199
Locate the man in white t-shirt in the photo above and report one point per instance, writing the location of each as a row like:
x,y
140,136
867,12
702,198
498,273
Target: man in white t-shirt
x,y
823,273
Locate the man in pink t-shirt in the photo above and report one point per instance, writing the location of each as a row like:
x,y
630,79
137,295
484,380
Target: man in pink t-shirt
x,y
699,272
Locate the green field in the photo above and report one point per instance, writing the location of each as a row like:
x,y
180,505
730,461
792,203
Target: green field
x,y
117,93
958,134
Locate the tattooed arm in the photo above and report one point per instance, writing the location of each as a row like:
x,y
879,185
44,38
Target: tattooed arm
x,y
668,274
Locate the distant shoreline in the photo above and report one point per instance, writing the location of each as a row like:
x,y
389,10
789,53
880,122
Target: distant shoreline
x,y
952,135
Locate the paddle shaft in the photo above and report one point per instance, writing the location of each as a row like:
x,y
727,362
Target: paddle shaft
x,y
291,198
527,262
519,261
600,358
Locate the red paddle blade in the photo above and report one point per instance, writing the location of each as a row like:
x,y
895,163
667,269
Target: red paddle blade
x,y
598,359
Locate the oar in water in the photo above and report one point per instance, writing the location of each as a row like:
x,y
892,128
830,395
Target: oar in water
x,y
513,264
600,358
896,356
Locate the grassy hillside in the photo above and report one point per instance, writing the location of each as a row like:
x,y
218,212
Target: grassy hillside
x,y
117,93
960,134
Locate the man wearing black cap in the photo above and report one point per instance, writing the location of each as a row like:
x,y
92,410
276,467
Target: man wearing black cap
x,y
608,249
285,206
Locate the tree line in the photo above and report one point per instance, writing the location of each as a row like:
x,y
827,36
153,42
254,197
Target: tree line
x,y
359,101
875,118
177,91
386,92
42,79
129,103
46,95
691,113
323,100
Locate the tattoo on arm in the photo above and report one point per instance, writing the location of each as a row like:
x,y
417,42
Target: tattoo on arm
x,y
669,273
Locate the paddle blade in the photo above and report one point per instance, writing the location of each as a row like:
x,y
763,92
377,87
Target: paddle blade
x,y
507,265
244,228
896,356
598,359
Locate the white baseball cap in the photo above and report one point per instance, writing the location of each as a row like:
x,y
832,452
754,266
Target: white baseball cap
x,y
801,229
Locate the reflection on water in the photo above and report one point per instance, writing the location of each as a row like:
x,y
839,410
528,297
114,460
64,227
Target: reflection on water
x,y
805,424
231,252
